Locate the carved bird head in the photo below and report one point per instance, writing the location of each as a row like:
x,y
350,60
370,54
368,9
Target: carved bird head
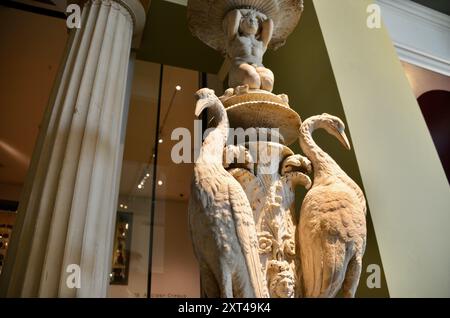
x,y
206,98
334,126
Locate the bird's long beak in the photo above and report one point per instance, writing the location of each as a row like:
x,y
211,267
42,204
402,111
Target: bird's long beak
x,y
344,140
201,105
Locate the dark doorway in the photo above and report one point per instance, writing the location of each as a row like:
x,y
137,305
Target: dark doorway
x,y
435,106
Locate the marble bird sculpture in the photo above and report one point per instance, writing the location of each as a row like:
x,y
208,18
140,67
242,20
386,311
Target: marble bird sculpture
x,y
221,219
332,226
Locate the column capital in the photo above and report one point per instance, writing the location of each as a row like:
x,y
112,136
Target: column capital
x,y
137,9
138,14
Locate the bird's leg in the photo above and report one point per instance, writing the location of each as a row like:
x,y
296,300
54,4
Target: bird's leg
x,y
237,157
209,287
352,277
226,283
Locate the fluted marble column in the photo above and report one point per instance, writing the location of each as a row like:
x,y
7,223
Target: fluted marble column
x,y
67,210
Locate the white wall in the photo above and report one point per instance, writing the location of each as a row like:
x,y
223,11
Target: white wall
x,y
178,275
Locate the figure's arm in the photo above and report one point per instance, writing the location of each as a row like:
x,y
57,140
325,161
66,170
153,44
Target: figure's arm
x,y
231,23
266,31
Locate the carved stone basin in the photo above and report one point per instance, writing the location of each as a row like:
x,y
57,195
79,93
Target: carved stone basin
x,y
263,109
205,18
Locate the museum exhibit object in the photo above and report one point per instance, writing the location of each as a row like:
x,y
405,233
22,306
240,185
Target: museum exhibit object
x,y
246,235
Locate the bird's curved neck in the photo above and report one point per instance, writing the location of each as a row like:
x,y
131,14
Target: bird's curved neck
x,y
214,143
323,164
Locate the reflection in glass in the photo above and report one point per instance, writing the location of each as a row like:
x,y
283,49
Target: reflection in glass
x,y
121,250
154,190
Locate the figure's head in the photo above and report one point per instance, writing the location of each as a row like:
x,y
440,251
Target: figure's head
x,y
249,24
281,279
282,285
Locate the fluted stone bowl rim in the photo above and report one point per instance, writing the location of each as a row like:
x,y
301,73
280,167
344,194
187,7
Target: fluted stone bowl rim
x,y
266,115
205,18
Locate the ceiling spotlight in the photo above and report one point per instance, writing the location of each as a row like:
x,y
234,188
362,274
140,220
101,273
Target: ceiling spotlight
x,y
121,205
147,175
160,141
126,226
178,88
125,207
140,186
160,183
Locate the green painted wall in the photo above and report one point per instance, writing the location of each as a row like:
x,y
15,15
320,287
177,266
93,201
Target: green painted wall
x,y
167,40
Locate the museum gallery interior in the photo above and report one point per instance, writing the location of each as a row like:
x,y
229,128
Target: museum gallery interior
x,y
224,149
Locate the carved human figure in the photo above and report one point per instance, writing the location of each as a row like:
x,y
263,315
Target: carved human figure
x,y
248,34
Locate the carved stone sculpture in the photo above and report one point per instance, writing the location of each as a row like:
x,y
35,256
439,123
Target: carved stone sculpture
x,y
244,228
248,35
271,197
221,219
243,30
332,227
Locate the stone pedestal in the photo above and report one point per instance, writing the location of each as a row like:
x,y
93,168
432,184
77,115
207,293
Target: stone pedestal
x,y
270,183
67,210
271,193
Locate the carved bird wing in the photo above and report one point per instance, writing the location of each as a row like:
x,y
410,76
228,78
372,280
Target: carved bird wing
x,y
249,182
333,212
248,239
332,230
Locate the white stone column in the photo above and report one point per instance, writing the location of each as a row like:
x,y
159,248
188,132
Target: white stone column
x,y
67,210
